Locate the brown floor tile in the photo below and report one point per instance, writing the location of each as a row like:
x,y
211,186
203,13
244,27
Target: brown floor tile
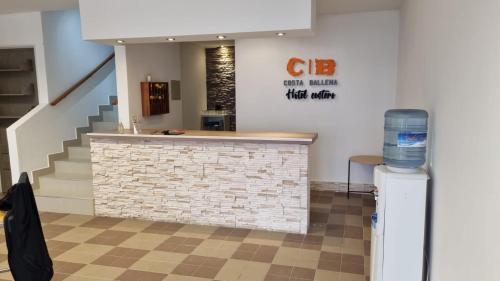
x,y
178,244
353,232
58,247
102,222
319,217
165,228
52,230
367,246
255,252
110,237
353,268
330,261
354,210
120,257
311,242
230,234
48,217
199,266
335,230
66,267
135,275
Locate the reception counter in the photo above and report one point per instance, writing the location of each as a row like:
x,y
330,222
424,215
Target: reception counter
x,y
255,180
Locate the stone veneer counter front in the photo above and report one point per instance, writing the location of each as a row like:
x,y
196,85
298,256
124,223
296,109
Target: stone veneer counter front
x,y
233,179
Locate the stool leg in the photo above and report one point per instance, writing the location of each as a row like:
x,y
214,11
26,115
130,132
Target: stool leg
x,y
348,178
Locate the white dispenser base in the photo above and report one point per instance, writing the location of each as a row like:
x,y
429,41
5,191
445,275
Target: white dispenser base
x,y
397,251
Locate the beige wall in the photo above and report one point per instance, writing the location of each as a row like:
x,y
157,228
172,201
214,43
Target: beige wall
x,y
133,63
450,65
193,84
365,46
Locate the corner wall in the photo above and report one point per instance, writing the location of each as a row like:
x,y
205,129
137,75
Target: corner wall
x,y
68,56
365,47
133,63
450,65
193,84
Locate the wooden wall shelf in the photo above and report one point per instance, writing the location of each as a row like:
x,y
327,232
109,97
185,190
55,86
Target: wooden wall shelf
x,y
155,99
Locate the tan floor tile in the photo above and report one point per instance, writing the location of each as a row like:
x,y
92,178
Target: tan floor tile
x,y
53,230
332,244
82,278
48,217
367,233
196,231
110,237
216,248
73,220
354,220
242,271
297,257
144,241
265,238
132,225
326,275
99,271
174,277
352,277
78,234
134,275
103,222
84,253
353,246
159,261
6,275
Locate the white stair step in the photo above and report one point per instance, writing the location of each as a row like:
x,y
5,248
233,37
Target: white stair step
x,y
104,126
80,206
66,185
110,116
73,166
85,140
79,152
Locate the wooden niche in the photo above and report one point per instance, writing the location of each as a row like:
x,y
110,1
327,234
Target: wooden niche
x,y
155,99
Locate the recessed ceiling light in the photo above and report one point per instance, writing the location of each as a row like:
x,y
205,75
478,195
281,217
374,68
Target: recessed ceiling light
x,y
220,37
120,41
280,34
170,39
222,46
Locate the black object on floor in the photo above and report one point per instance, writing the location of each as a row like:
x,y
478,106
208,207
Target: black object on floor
x,y
28,256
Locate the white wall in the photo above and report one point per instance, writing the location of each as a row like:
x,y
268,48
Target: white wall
x,y
25,30
68,57
61,58
43,130
193,19
450,65
194,88
162,61
365,47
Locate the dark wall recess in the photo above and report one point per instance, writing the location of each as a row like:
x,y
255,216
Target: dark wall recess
x,y
221,80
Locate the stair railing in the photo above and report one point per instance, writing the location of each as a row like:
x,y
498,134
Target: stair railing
x,y
81,81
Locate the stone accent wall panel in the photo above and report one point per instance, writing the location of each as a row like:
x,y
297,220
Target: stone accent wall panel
x,y
233,184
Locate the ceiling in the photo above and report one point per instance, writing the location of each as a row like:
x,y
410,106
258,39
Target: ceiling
x,y
19,6
324,6
355,6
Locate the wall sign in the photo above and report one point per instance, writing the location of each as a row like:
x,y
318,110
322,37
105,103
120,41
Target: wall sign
x,y
297,88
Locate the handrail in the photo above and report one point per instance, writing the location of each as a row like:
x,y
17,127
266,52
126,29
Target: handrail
x,y
81,81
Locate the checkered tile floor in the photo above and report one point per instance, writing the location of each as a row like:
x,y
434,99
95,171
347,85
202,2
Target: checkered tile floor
x,y
95,248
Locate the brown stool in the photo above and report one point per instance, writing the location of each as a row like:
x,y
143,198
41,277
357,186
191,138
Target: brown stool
x,y
373,160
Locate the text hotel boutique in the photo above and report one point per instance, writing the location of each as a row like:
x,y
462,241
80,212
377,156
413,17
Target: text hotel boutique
x,y
234,140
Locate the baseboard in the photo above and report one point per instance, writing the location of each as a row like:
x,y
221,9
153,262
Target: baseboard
x,y
340,186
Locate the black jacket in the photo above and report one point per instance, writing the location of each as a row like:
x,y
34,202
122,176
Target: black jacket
x,y
29,258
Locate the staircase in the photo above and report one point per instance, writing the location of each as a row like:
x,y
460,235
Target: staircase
x,y
66,185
